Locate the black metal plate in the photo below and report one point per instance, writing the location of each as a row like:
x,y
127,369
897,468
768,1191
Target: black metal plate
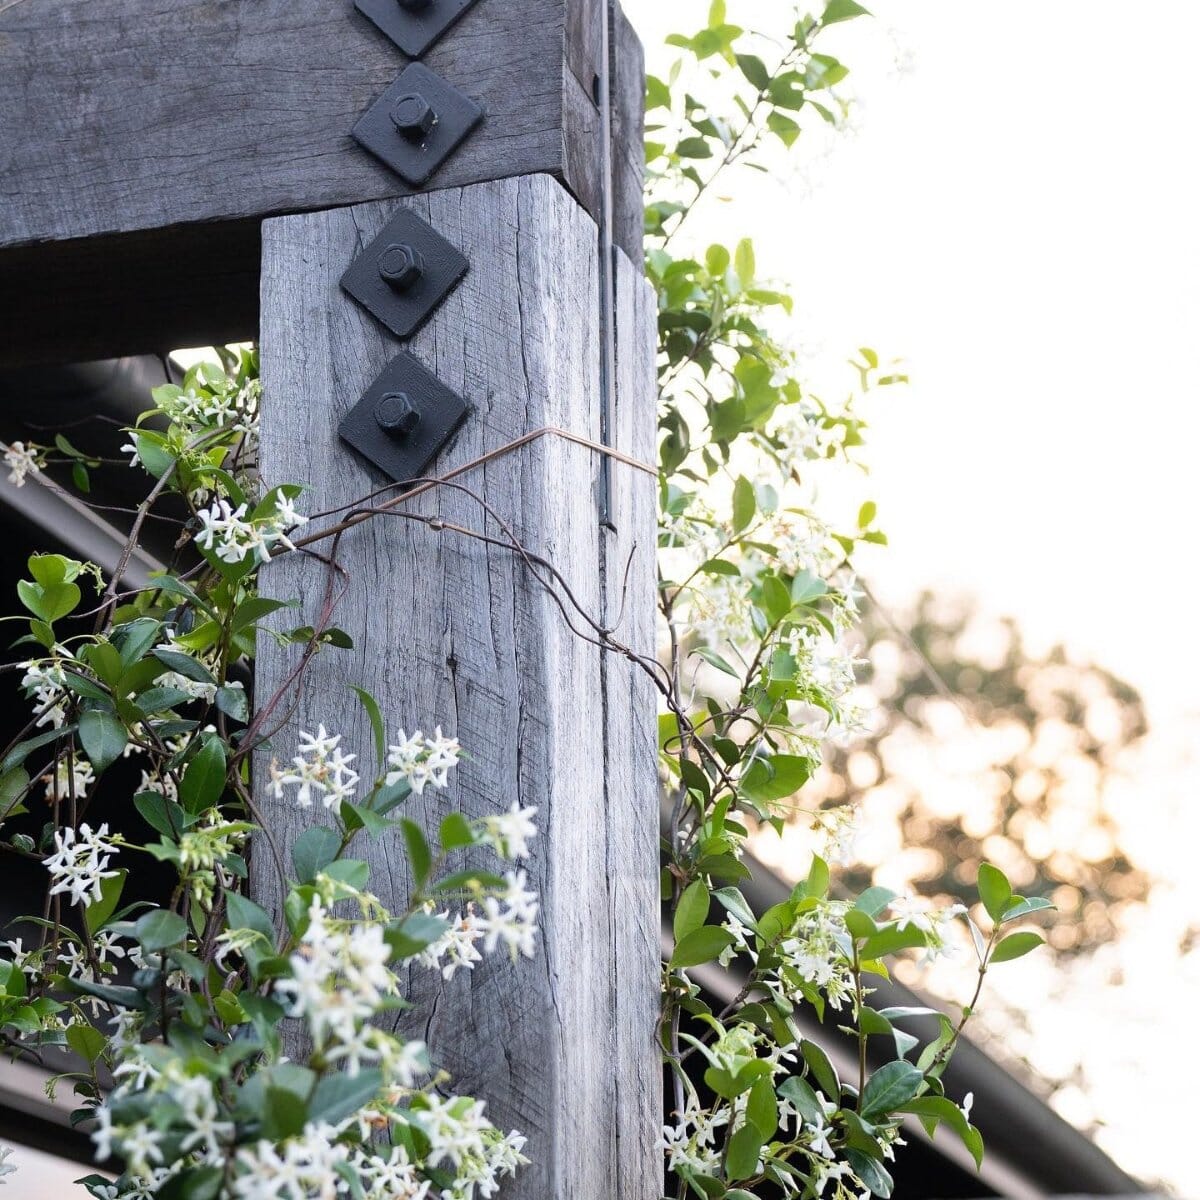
x,y
413,32
416,160
404,312
441,412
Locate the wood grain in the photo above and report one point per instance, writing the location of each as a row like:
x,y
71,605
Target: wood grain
x,y
451,632
142,144
125,115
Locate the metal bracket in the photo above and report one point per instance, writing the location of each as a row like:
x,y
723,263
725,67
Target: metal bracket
x,y
406,416
414,25
417,123
405,273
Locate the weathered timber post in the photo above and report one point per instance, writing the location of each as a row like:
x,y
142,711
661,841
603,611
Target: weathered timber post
x,y
449,630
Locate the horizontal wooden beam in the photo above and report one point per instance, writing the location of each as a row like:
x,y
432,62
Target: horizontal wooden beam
x,y
164,133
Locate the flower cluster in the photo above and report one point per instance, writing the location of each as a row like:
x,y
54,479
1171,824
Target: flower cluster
x,y
419,760
321,768
339,979
234,537
21,461
80,862
45,685
508,919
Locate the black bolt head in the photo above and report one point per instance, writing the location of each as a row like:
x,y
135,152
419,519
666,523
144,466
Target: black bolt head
x,y
413,116
394,413
401,267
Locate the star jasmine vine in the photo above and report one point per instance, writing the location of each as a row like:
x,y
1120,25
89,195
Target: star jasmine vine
x,y
176,1010
758,607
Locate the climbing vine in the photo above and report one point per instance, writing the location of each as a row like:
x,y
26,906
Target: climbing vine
x,y
757,600
175,1011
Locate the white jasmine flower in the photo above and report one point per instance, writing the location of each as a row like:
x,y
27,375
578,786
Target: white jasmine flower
x,y
420,760
72,772
510,833
6,1168
80,862
21,461
320,767
511,918
456,946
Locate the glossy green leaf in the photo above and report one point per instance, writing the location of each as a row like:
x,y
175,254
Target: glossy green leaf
x,y
103,738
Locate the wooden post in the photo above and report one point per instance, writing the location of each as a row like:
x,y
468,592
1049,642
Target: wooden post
x,y
451,631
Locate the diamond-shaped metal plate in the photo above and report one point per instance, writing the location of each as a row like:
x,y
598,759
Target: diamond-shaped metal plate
x,y
415,159
405,310
404,457
413,30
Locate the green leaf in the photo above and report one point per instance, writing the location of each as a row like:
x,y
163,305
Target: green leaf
x,y
254,609
717,260
743,262
456,832
715,660
103,738
81,685
754,70
194,1183
890,939
339,1096
842,10
1016,945
13,783
822,1070
745,505
939,1108
1024,907
234,702
410,936
50,569
22,750
735,902
87,1042
692,910
762,1111
135,638
693,147
160,929
185,665
776,777
420,859
817,884
99,911
870,1172
874,900
284,1114
49,602
245,914
313,851
742,1153
803,1099
376,718
162,815
701,946
204,780
894,1084
994,890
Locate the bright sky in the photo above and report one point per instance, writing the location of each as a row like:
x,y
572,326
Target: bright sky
x,y
1016,215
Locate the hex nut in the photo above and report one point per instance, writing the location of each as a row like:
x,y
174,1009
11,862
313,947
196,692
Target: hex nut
x,y
401,267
